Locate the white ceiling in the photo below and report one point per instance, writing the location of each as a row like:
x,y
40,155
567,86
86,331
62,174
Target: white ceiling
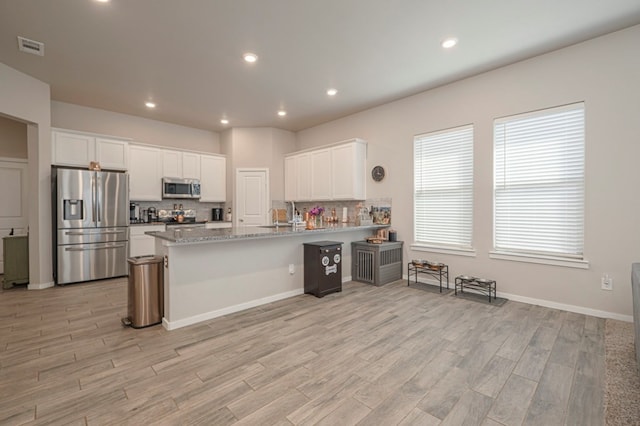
x,y
186,55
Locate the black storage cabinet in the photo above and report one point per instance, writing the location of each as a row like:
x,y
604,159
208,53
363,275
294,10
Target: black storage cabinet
x,y
322,267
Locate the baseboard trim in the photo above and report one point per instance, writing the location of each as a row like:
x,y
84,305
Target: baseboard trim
x,y
565,307
173,325
40,286
553,305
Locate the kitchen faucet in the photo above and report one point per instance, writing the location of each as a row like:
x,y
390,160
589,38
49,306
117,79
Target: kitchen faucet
x,y
271,210
294,219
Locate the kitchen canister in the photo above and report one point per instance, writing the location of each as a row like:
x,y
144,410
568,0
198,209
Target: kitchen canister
x,y
393,235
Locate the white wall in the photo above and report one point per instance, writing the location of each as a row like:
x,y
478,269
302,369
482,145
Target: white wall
x,y
27,99
262,147
13,138
605,74
143,130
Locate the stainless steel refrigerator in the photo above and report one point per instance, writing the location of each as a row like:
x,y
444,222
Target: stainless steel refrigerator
x,y
90,224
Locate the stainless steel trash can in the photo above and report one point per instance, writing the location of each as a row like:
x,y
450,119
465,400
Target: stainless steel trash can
x,y
146,291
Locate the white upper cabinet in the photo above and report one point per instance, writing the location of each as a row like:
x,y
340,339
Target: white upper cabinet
x,y
145,176
191,165
213,184
297,178
180,164
112,154
78,149
335,172
348,170
290,179
171,163
320,174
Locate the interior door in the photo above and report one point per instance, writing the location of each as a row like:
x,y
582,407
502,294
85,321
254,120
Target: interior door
x,y
13,207
252,200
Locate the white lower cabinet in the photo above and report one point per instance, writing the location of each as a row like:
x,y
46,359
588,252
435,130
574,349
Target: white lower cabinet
x,y
141,244
217,225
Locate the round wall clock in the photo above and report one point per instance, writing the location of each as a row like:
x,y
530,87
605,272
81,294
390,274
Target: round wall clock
x,y
377,173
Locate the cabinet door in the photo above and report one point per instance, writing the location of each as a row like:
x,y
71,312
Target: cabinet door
x,y
217,225
145,176
141,244
290,179
112,154
191,165
213,183
321,174
171,163
71,149
304,177
348,171
297,178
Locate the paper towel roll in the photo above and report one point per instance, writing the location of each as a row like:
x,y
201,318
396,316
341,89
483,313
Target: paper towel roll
x,y
345,217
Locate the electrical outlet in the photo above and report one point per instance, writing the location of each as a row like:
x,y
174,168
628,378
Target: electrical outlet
x,y
292,269
606,282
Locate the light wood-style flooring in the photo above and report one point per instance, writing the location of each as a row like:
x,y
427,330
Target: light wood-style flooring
x,y
369,356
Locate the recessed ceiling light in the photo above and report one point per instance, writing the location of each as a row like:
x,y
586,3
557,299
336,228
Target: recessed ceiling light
x,y
282,113
250,57
224,121
150,104
332,92
449,42
103,1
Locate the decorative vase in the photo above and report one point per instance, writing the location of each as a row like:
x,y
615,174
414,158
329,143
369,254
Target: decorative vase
x,y
319,221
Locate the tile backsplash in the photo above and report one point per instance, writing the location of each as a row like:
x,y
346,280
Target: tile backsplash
x,y
380,207
203,210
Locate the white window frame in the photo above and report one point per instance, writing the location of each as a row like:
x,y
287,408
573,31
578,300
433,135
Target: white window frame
x,y
558,168
449,171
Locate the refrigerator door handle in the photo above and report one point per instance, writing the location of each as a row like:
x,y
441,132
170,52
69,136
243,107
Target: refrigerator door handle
x,y
93,198
94,248
94,233
99,196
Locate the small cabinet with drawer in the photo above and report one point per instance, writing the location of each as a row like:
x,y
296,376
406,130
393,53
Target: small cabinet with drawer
x,y
16,260
141,244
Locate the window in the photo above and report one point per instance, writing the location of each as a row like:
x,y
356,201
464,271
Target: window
x,y
443,188
539,183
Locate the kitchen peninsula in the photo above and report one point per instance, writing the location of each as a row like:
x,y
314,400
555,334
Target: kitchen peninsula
x,y
213,272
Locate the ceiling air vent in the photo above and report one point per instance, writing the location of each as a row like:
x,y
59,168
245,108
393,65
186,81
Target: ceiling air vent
x,y
30,46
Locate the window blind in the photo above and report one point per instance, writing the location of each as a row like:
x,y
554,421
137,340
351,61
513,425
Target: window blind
x,y
443,187
539,182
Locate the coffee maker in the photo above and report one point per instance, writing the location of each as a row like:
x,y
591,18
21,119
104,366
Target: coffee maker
x,y
134,212
217,215
152,215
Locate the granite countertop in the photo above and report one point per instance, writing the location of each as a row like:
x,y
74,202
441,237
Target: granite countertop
x,y
167,223
200,235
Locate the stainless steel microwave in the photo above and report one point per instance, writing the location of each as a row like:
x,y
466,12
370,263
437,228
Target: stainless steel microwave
x,y
180,188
